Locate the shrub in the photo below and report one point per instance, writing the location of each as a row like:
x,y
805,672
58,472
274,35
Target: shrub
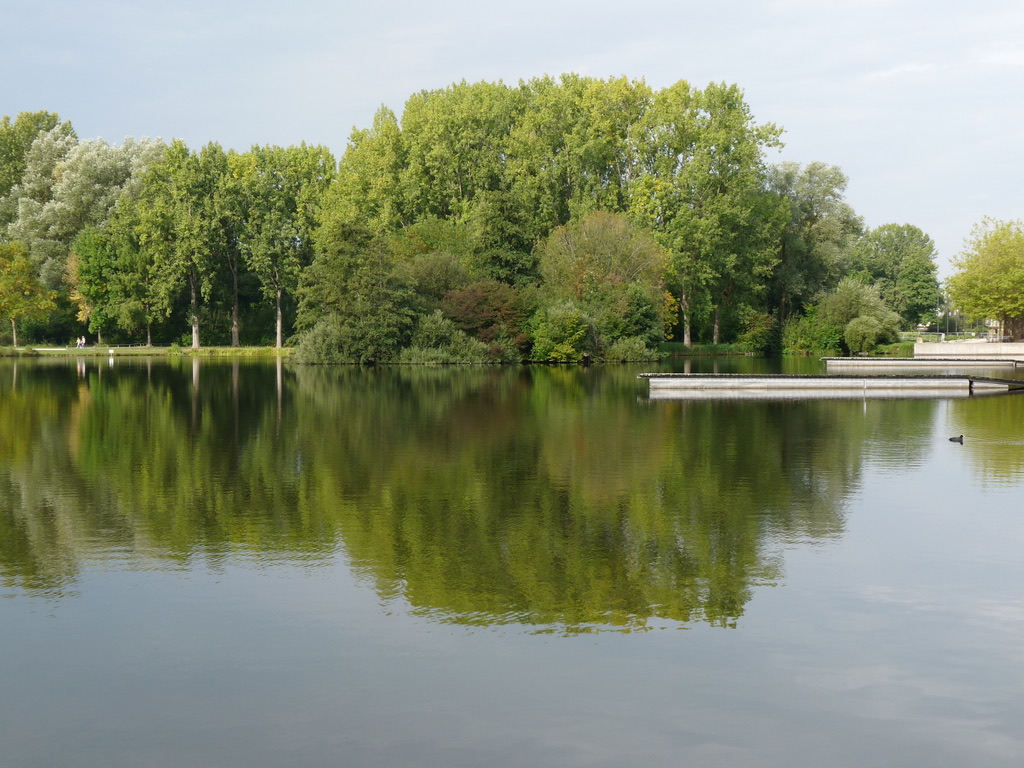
x,y
438,340
562,334
631,349
862,334
811,335
758,330
488,310
335,339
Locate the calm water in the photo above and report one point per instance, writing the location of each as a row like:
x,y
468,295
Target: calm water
x,y
246,565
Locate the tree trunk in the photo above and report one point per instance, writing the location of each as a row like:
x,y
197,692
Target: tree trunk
x,y
149,334
717,327
684,306
234,310
194,311
14,332
99,337
280,321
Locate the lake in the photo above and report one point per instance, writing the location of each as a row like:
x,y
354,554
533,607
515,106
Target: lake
x,y
255,564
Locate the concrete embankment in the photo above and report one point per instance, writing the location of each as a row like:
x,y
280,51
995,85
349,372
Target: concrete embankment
x,y
735,386
961,350
915,364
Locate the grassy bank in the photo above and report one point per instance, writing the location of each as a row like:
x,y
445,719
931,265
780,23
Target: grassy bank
x,y
106,351
678,349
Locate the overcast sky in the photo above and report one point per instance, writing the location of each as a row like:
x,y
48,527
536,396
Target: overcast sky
x,y
921,103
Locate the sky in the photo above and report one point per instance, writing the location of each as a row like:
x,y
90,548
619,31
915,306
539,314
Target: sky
x,y
921,103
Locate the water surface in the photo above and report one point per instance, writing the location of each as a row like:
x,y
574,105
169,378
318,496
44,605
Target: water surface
x,y
258,565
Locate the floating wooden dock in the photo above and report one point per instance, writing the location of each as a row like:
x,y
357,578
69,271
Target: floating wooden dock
x,y
916,363
743,386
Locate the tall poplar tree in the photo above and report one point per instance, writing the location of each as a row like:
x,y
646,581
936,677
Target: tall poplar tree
x,y
702,193
177,223
281,188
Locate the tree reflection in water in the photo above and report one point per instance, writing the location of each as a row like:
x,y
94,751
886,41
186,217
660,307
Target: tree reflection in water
x,y
555,497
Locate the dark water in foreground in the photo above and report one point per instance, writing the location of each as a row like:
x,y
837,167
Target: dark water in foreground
x,y
246,565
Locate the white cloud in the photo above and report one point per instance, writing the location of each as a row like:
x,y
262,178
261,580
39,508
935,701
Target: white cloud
x,y
913,69
1006,58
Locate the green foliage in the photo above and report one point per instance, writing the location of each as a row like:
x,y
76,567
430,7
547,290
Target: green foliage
x,y
654,211
704,195
852,299
438,340
92,273
811,334
896,349
488,310
820,231
759,330
15,141
432,276
180,225
29,202
562,333
821,330
353,307
21,295
613,270
631,349
989,283
900,261
281,190
862,334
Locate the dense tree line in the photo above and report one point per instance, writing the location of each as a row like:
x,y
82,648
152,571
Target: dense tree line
x,y
558,217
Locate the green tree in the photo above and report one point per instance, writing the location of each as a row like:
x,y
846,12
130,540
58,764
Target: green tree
x,y
16,139
820,231
989,282
860,305
613,269
87,184
369,186
353,308
29,199
563,333
281,188
133,290
92,272
21,295
179,224
702,193
900,260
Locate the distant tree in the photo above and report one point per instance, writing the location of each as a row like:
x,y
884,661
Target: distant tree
x,y
563,333
353,308
820,231
490,311
28,200
614,269
92,273
701,191
369,186
989,283
281,190
900,260
179,225
15,141
133,291
852,301
21,295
